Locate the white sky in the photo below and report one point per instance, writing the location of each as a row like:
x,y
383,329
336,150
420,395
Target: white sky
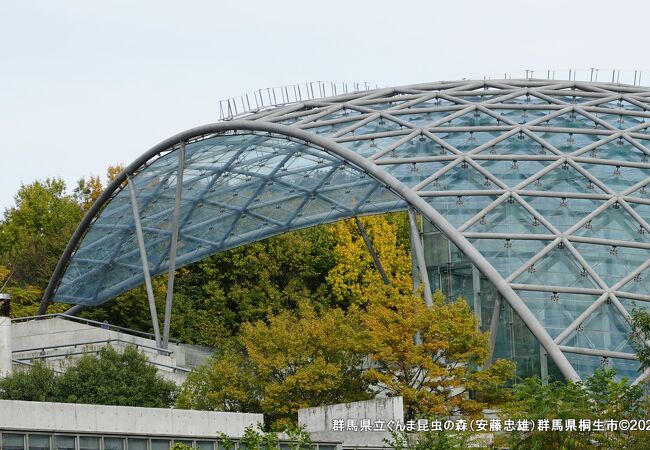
x,y
85,84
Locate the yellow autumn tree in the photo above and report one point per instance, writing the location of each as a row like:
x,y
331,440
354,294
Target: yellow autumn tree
x,y
355,272
429,355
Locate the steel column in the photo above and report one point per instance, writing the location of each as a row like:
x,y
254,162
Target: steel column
x,y
371,249
416,244
145,262
174,244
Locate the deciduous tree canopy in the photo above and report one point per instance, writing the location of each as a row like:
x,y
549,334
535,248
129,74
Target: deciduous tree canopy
x,y
111,378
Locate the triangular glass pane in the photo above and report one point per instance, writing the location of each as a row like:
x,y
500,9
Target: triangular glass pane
x,y
556,311
506,256
574,99
620,121
281,211
246,229
473,119
418,146
521,115
520,144
480,98
640,284
386,103
233,192
326,129
513,172
509,217
618,178
211,231
465,141
563,178
458,210
571,120
585,365
632,305
460,177
369,147
340,114
569,142
316,208
351,196
527,99
425,119
413,173
562,213
381,200
557,268
620,104
613,223
436,102
611,263
380,125
619,149
604,329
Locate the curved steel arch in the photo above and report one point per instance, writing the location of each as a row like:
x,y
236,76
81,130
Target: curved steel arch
x,y
403,191
477,139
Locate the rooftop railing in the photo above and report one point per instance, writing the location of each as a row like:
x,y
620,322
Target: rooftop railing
x,y
260,99
255,101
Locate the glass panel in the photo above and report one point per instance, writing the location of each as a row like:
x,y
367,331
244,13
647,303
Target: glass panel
x,y
137,444
88,443
39,442
113,444
160,444
13,441
205,445
64,442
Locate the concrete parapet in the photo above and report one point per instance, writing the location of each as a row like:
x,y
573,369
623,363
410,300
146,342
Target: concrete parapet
x,y
319,421
5,346
77,418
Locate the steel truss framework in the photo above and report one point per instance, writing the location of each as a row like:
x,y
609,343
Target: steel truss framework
x,y
541,184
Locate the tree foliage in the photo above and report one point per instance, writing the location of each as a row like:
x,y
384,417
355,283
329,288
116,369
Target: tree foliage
x,y
35,231
354,272
298,359
111,378
430,355
640,336
37,383
599,397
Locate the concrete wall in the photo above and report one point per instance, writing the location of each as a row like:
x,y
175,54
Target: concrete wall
x,y
5,346
318,421
59,331
75,418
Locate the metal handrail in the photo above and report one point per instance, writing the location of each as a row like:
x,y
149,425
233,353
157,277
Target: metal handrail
x,y
260,99
29,364
255,101
592,74
102,341
87,352
90,322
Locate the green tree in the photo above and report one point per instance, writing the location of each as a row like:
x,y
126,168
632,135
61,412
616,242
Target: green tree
x,y
36,383
215,296
110,378
114,378
599,397
298,359
34,233
640,336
